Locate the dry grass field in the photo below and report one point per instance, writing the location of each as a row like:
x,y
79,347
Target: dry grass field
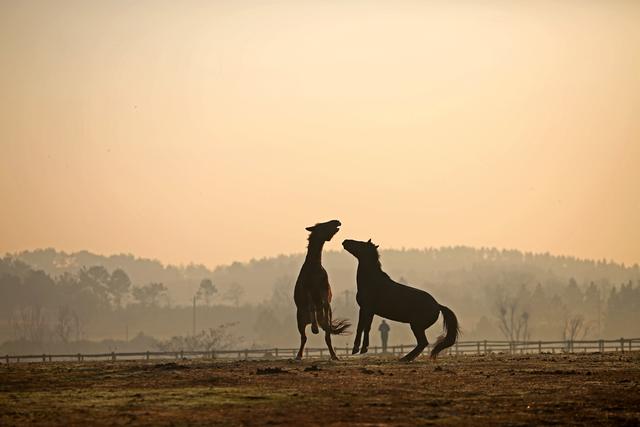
x,y
572,389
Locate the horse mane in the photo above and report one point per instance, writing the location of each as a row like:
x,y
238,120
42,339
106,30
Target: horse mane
x,y
375,256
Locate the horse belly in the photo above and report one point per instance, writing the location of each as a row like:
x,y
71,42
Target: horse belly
x,y
401,305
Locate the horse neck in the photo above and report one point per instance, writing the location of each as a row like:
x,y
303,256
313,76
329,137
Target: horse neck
x,y
368,269
314,251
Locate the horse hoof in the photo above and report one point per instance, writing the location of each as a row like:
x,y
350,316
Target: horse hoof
x,y
364,350
355,350
334,358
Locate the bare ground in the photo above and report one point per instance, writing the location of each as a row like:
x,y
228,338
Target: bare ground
x,y
578,389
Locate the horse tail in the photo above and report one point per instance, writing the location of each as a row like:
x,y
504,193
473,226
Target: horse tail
x,y
333,326
339,326
451,332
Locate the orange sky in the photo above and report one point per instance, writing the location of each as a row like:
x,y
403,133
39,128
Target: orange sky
x,y
215,131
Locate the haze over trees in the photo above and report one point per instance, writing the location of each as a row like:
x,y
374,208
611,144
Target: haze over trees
x,y
54,299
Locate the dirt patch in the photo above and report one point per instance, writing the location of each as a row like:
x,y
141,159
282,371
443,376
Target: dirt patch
x,y
271,371
600,389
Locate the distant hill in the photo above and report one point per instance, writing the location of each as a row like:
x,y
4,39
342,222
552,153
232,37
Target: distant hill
x,y
446,271
182,281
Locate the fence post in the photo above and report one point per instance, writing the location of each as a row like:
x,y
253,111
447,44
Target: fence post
x,y
485,346
6,358
49,358
456,348
113,355
622,345
44,358
275,351
147,355
478,347
246,354
306,352
213,354
79,357
540,347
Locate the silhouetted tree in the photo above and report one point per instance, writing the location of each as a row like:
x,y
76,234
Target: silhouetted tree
x,y
149,295
118,286
96,278
206,290
234,294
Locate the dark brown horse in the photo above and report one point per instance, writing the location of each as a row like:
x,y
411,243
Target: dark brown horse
x,y
378,294
312,293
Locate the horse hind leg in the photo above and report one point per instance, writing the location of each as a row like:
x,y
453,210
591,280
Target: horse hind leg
x,y
326,325
366,329
302,325
420,335
313,316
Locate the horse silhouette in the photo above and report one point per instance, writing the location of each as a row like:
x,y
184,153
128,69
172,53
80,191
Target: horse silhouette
x,y
312,293
378,294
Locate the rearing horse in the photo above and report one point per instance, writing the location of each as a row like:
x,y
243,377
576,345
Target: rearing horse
x,y
312,293
378,294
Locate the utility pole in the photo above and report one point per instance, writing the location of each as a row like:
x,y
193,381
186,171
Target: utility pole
x,y
194,316
599,314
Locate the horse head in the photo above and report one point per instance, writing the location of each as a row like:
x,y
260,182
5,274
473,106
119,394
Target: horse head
x,y
324,230
361,250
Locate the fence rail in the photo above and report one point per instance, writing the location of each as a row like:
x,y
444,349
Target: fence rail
x,y
460,348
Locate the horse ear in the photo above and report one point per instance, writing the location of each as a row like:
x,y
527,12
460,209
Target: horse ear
x,y
310,228
369,241
377,246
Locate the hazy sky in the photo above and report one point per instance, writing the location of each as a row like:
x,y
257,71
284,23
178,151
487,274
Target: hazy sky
x,y
214,131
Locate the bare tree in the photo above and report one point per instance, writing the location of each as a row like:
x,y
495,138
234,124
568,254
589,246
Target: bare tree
x,y
575,328
78,326
211,339
64,324
68,325
513,320
29,324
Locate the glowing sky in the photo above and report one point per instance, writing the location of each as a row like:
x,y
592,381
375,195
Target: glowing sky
x,y
216,131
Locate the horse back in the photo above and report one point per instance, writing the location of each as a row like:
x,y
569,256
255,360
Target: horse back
x,y
399,302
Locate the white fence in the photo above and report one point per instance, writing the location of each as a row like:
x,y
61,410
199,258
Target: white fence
x,y
460,348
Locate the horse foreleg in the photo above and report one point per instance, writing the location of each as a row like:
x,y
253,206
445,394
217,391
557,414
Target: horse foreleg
x,y
356,342
366,328
418,331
